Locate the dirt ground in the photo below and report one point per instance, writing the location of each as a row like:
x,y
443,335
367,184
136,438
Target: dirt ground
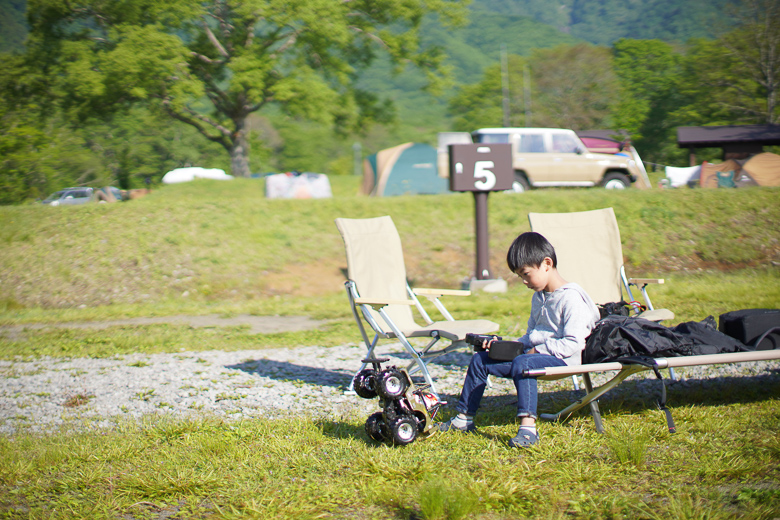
x,y
257,324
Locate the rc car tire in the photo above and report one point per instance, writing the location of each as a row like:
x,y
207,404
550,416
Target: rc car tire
x,y
391,383
376,427
365,383
404,430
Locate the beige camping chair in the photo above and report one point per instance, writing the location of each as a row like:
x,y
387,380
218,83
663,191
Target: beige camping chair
x,y
380,296
587,244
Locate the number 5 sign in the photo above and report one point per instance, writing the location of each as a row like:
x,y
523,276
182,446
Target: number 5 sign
x,y
480,167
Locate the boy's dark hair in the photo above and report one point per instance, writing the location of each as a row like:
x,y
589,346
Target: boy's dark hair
x,y
529,249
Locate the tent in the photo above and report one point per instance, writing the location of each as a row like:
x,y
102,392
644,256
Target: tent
x,y
295,185
188,174
760,170
722,175
764,169
406,169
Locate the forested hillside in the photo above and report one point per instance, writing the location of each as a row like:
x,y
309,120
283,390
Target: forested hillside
x,y
599,22
13,28
602,22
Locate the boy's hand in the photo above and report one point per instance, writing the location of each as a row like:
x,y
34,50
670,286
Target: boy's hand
x,y
532,351
486,344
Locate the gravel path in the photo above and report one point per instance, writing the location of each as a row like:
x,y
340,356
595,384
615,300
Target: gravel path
x,y
46,393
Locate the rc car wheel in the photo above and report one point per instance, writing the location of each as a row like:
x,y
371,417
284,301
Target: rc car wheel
x,y
365,383
404,430
376,427
391,383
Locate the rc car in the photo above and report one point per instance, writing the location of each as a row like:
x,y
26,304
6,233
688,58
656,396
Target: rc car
x,y
407,410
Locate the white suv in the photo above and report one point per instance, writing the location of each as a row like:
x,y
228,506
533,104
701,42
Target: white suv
x,y
545,157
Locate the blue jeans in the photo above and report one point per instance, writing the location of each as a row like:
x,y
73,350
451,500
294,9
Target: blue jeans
x,y
481,366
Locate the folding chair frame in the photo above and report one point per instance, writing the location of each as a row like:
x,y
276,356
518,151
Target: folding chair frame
x,y
420,358
624,370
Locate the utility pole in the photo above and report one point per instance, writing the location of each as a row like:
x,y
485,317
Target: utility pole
x,y
357,159
505,86
527,95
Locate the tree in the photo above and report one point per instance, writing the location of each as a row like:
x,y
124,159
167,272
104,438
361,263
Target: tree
x,y
736,78
212,64
753,50
648,72
570,87
573,87
479,105
37,154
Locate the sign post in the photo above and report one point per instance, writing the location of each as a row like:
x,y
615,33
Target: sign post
x,y
480,169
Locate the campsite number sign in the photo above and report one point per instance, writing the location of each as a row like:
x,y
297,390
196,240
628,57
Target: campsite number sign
x,y
480,167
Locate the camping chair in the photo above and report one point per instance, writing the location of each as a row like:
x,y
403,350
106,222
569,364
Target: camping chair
x,y
380,295
587,244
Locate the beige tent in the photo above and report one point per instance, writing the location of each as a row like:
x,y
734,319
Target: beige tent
x,y
764,169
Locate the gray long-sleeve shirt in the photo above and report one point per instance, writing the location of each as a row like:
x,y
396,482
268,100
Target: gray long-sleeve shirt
x,y
560,322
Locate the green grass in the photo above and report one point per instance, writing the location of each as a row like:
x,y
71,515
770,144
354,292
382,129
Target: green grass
x,y
297,468
235,252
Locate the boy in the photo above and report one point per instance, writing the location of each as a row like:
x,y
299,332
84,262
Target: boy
x,y
562,317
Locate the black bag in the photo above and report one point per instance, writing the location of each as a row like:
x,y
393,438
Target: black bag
x,y
619,337
749,325
621,308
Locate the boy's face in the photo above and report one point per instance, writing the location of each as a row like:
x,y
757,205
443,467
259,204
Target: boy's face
x,y
536,278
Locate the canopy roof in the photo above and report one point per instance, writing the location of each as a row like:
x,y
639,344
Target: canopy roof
x,y
728,136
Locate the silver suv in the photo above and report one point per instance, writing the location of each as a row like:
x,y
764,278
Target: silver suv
x,y
69,197
545,157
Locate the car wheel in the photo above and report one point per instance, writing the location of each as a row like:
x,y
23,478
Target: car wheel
x,y
376,427
391,383
403,430
615,181
365,383
520,184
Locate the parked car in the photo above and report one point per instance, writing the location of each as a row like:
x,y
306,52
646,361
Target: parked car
x,y
546,157
69,197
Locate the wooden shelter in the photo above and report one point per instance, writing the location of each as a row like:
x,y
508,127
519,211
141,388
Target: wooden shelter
x,y
736,141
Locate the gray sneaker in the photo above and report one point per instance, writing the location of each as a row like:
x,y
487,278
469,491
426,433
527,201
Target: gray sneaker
x,y
447,426
524,439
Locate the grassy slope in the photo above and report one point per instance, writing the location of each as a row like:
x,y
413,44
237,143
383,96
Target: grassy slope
x,y
227,236
226,242
214,247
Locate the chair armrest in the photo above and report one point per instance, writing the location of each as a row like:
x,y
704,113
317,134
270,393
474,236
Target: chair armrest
x,y
645,281
432,295
381,302
440,292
